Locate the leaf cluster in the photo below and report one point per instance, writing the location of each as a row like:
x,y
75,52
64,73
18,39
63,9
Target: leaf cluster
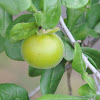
x,y
83,19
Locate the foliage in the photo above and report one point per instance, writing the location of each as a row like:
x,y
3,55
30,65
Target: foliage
x,y
83,19
15,6
50,14
12,92
51,78
61,97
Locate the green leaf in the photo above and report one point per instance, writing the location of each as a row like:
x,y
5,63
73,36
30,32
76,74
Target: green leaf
x,y
36,3
72,16
86,7
49,16
51,78
93,15
78,63
89,80
12,92
13,50
85,90
81,19
31,20
32,8
5,20
61,35
80,32
97,97
94,54
74,3
22,18
34,71
2,40
61,97
97,28
69,51
92,62
95,1
35,6
15,6
22,31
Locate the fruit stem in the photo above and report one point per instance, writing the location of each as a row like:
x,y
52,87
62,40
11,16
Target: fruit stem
x,y
48,31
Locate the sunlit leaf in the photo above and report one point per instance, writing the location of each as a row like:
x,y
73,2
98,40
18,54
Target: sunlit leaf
x,y
15,6
12,92
34,71
61,97
74,3
49,16
89,80
85,90
5,20
78,64
22,31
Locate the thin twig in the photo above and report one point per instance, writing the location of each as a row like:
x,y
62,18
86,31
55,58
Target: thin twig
x,y
97,83
69,81
68,68
31,94
90,66
67,65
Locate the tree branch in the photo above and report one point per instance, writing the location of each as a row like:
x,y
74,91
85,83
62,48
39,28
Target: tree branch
x,y
89,65
31,94
68,80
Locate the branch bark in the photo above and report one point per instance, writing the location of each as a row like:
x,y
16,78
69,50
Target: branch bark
x,y
68,80
89,65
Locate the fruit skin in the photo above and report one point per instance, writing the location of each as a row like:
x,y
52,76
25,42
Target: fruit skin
x,y
43,52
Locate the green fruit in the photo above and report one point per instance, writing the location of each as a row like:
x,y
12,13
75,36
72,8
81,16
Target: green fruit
x,y
45,51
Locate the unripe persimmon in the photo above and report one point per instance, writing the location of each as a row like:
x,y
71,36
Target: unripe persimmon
x,y
45,51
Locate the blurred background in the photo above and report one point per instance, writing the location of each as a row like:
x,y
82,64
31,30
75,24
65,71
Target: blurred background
x,y
17,72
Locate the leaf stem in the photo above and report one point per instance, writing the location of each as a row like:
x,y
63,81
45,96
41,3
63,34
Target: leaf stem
x,y
89,65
